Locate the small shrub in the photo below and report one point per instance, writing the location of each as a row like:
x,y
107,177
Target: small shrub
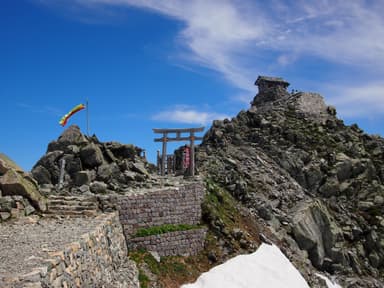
x,y
155,230
143,279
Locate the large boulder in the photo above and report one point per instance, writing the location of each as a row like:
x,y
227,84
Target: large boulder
x,y
311,104
68,140
72,164
316,232
6,164
82,178
50,162
139,168
123,151
15,183
42,175
91,156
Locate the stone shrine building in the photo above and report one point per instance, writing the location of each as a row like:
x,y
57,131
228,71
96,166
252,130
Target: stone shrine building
x,y
270,89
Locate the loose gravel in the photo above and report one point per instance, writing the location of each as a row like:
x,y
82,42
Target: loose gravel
x,y
25,244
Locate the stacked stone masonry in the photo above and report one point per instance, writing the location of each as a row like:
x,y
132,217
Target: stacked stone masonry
x,y
184,243
173,205
98,259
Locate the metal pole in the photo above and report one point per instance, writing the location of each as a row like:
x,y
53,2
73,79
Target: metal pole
x,y
87,105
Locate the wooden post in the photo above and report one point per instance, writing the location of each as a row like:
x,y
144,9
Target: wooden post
x,y
62,170
192,158
164,156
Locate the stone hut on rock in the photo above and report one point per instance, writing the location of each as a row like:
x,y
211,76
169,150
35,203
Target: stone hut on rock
x,y
264,83
270,89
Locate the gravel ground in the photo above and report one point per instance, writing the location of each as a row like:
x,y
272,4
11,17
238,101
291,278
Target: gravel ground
x,y
25,243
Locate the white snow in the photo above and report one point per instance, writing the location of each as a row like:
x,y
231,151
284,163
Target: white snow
x,y
267,267
330,284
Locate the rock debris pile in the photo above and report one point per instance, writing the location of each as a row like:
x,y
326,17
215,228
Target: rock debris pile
x,y
92,167
315,181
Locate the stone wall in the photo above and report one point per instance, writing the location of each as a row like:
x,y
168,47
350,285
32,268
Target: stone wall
x,y
185,243
173,205
15,206
310,104
98,259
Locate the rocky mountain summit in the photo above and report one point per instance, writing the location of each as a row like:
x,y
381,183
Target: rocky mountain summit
x,y
90,166
286,171
314,181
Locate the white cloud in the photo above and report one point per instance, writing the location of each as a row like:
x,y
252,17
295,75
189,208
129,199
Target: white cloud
x,y
187,115
40,109
347,34
218,32
359,101
243,38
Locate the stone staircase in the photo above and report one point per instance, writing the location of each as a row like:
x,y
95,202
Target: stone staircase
x,y
72,206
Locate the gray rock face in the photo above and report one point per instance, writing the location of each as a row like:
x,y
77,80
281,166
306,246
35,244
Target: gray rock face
x,y
330,188
315,231
42,175
91,156
71,136
104,172
82,178
6,164
14,207
47,169
289,150
7,203
72,164
98,187
118,166
139,167
12,183
311,104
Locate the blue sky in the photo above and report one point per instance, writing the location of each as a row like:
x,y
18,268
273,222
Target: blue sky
x,y
164,64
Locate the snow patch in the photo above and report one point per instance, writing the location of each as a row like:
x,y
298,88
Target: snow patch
x,y
267,267
329,283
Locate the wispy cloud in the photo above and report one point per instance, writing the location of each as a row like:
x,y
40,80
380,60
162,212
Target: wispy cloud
x,y
243,38
187,115
359,101
40,109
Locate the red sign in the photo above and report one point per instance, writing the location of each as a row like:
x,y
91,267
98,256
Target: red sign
x,y
186,157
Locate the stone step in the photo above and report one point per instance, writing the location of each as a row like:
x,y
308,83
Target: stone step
x,y
72,213
71,202
73,198
71,208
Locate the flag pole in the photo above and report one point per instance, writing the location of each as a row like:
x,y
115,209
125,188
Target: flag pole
x,y
87,105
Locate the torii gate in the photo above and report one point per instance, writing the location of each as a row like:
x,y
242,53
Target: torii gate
x,y
178,137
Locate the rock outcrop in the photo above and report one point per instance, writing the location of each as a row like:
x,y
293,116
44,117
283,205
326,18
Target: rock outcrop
x,y
316,231
317,183
91,166
15,182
